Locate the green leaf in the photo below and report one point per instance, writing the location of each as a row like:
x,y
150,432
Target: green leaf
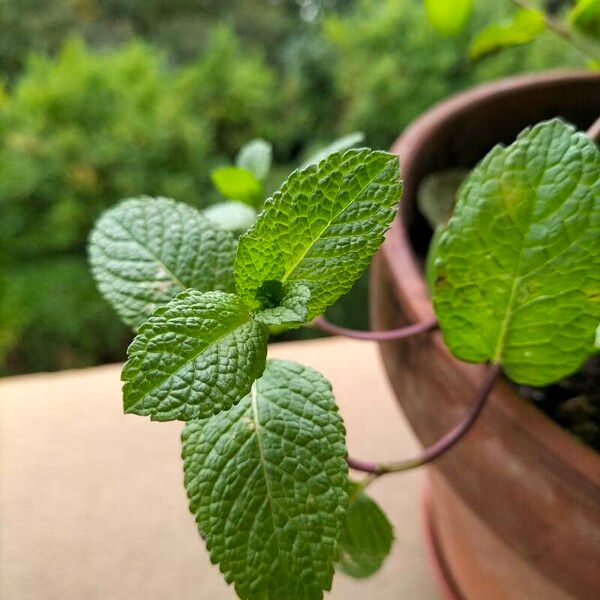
x,y
232,215
194,357
291,311
267,484
344,143
431,257
524,27
238,184
585,16
145,251
448,17
255,157
517,272
321,229
367,538
437,193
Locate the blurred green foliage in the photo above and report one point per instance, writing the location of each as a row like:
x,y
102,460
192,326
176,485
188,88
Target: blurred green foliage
x,y
108,99
393,64
51,317
233,88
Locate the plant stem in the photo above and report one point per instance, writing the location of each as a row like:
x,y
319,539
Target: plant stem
x,y
561,30
444,443
379,336
594,131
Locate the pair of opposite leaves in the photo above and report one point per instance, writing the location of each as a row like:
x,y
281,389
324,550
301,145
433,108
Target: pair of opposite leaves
x,y
522,247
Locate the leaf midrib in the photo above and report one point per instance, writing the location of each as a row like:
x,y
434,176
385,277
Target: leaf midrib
x,y
298,261
263,463
153,256
517,280
172,374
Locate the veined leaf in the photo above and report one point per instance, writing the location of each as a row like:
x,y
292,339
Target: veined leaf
x,y
367,538
321,229
267,485
255,157
238,184
344,143
145,251
524,27
448,17
194,357
517,272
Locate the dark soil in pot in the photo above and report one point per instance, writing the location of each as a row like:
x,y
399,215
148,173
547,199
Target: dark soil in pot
x,y
573,403
516,503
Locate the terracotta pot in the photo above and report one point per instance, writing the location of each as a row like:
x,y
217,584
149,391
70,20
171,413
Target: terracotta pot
x,y
516,504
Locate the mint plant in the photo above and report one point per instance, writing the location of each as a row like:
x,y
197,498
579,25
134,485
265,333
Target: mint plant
x,y
265,459
264,446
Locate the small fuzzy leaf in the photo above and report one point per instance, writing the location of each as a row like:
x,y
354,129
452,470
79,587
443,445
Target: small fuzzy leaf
x,y
238,184
232,215
145,251
255,157
524,27
517,271
585,16
367,538
321,229
267,484
194,357
291,312
448,17
431,256
437,193
344,143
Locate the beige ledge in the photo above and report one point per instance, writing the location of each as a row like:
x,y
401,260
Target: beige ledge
x,y
92,505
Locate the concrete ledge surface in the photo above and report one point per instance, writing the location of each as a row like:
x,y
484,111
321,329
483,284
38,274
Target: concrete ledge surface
x,y
92,505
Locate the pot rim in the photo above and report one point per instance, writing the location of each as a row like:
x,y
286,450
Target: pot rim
x,y
410,289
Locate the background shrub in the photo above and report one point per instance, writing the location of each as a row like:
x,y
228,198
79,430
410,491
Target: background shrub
x,y
82,130
51,317
392,65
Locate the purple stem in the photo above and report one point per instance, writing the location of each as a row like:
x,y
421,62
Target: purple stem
x,y
379,336
444,443
594,131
